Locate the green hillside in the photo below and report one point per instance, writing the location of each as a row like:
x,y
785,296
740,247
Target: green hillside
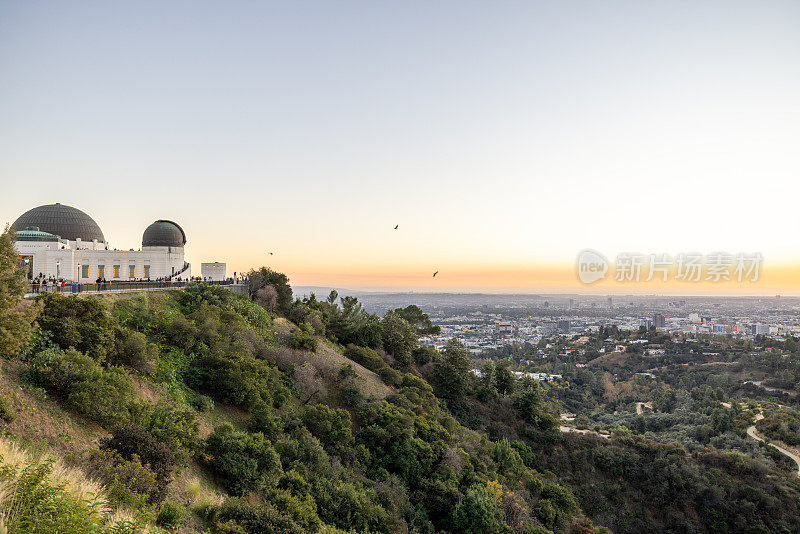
x,y
204,411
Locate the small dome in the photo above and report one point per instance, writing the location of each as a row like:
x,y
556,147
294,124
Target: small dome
x,y
163,233
61,220
32,233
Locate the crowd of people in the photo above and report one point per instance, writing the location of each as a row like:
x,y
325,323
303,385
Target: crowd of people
x,y
43,283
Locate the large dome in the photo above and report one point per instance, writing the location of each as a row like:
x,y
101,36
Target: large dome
x,y
58,219
163,233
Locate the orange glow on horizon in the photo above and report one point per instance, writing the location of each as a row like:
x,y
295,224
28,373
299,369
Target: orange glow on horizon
x,y
773,279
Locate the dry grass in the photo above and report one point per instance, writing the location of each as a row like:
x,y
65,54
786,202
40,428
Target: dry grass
x,y
326,361
74,481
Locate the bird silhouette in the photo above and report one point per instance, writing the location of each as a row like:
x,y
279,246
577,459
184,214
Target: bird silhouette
x,y
434,274
396,227
270,253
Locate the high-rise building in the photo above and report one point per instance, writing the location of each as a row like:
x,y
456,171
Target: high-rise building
x,y
659,321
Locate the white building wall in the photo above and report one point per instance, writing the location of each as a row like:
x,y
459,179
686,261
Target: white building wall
x,y
215,271
66,260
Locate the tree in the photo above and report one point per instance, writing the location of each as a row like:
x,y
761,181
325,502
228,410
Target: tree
x,y
529,402
16,322
451,372
399,338
418,319
504,379
264,278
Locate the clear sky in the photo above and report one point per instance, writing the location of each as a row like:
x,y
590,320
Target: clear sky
x,y
503,137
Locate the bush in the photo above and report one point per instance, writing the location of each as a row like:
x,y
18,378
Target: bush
x,y
264,420
128,482
84,324
201,403
423,355
33,502
103,394
302,340
255,519
6,413
389,376
171,515
331,426
244,462
351,394
132,440
366,357
133,350
174,426
233,376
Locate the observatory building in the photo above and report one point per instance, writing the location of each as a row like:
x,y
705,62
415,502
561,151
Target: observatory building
x,y
63,242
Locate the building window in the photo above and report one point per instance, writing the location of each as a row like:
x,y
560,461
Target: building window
x,y
147,271
116,271
131,271
101,271
84,271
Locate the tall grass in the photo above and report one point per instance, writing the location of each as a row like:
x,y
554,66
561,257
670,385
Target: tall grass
x,y
42,495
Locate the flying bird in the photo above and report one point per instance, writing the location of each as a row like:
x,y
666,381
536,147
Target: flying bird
x,y
270,253
396,227
434,274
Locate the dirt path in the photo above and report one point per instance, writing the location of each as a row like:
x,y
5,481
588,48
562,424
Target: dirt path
x,y
574,430
751,431
640,406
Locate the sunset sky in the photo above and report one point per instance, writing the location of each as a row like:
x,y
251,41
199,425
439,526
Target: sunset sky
x,y
503,137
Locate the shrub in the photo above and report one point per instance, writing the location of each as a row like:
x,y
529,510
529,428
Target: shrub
x,y
301,509
201,403
423,355
181,333
264,420
84,324
244,462
477,513
350,507
33,502
389,376
128,482
351,394
103,394
133,350
331,426
6,413
302,451
233,376
366,357
255,519
302,340
171,515
129,440
174,426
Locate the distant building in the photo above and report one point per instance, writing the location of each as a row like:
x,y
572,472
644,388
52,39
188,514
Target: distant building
x,y
659,321
563,326
215,271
